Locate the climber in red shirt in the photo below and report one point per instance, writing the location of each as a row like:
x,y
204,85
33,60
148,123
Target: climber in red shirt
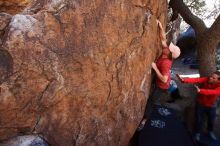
x,y
162,68
208,92
163,65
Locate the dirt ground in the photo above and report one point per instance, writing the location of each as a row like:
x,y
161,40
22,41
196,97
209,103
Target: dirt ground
x,y
186,104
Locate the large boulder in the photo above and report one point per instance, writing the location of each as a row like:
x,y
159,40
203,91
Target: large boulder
x,y
79,72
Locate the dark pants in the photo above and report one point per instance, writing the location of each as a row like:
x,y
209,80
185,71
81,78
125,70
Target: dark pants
x,y
159,96
201,112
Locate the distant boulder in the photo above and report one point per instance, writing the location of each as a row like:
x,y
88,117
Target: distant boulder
x,y
187,42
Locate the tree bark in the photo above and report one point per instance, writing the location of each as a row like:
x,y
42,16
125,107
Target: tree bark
x,y
207,38
215,30
206,50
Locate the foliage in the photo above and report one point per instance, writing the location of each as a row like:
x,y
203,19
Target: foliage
x,y
196,6
202,10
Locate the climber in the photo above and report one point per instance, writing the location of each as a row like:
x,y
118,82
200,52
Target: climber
x,y
162,69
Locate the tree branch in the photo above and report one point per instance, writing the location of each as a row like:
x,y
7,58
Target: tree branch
x,y
197,23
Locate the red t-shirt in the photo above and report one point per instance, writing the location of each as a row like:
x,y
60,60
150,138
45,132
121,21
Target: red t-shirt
x,y
164,66
208,93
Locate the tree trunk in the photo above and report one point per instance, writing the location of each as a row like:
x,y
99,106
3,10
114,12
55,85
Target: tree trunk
x,y
207,39
206,50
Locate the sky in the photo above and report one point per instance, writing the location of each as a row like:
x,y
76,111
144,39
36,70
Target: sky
x,y
210,6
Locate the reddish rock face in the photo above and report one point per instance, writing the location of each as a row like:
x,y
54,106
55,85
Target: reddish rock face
x,y
81,70
13,6
4,21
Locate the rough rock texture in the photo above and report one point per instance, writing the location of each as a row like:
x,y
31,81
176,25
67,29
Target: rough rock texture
x,y
4,21
13,6
28,140
79,71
